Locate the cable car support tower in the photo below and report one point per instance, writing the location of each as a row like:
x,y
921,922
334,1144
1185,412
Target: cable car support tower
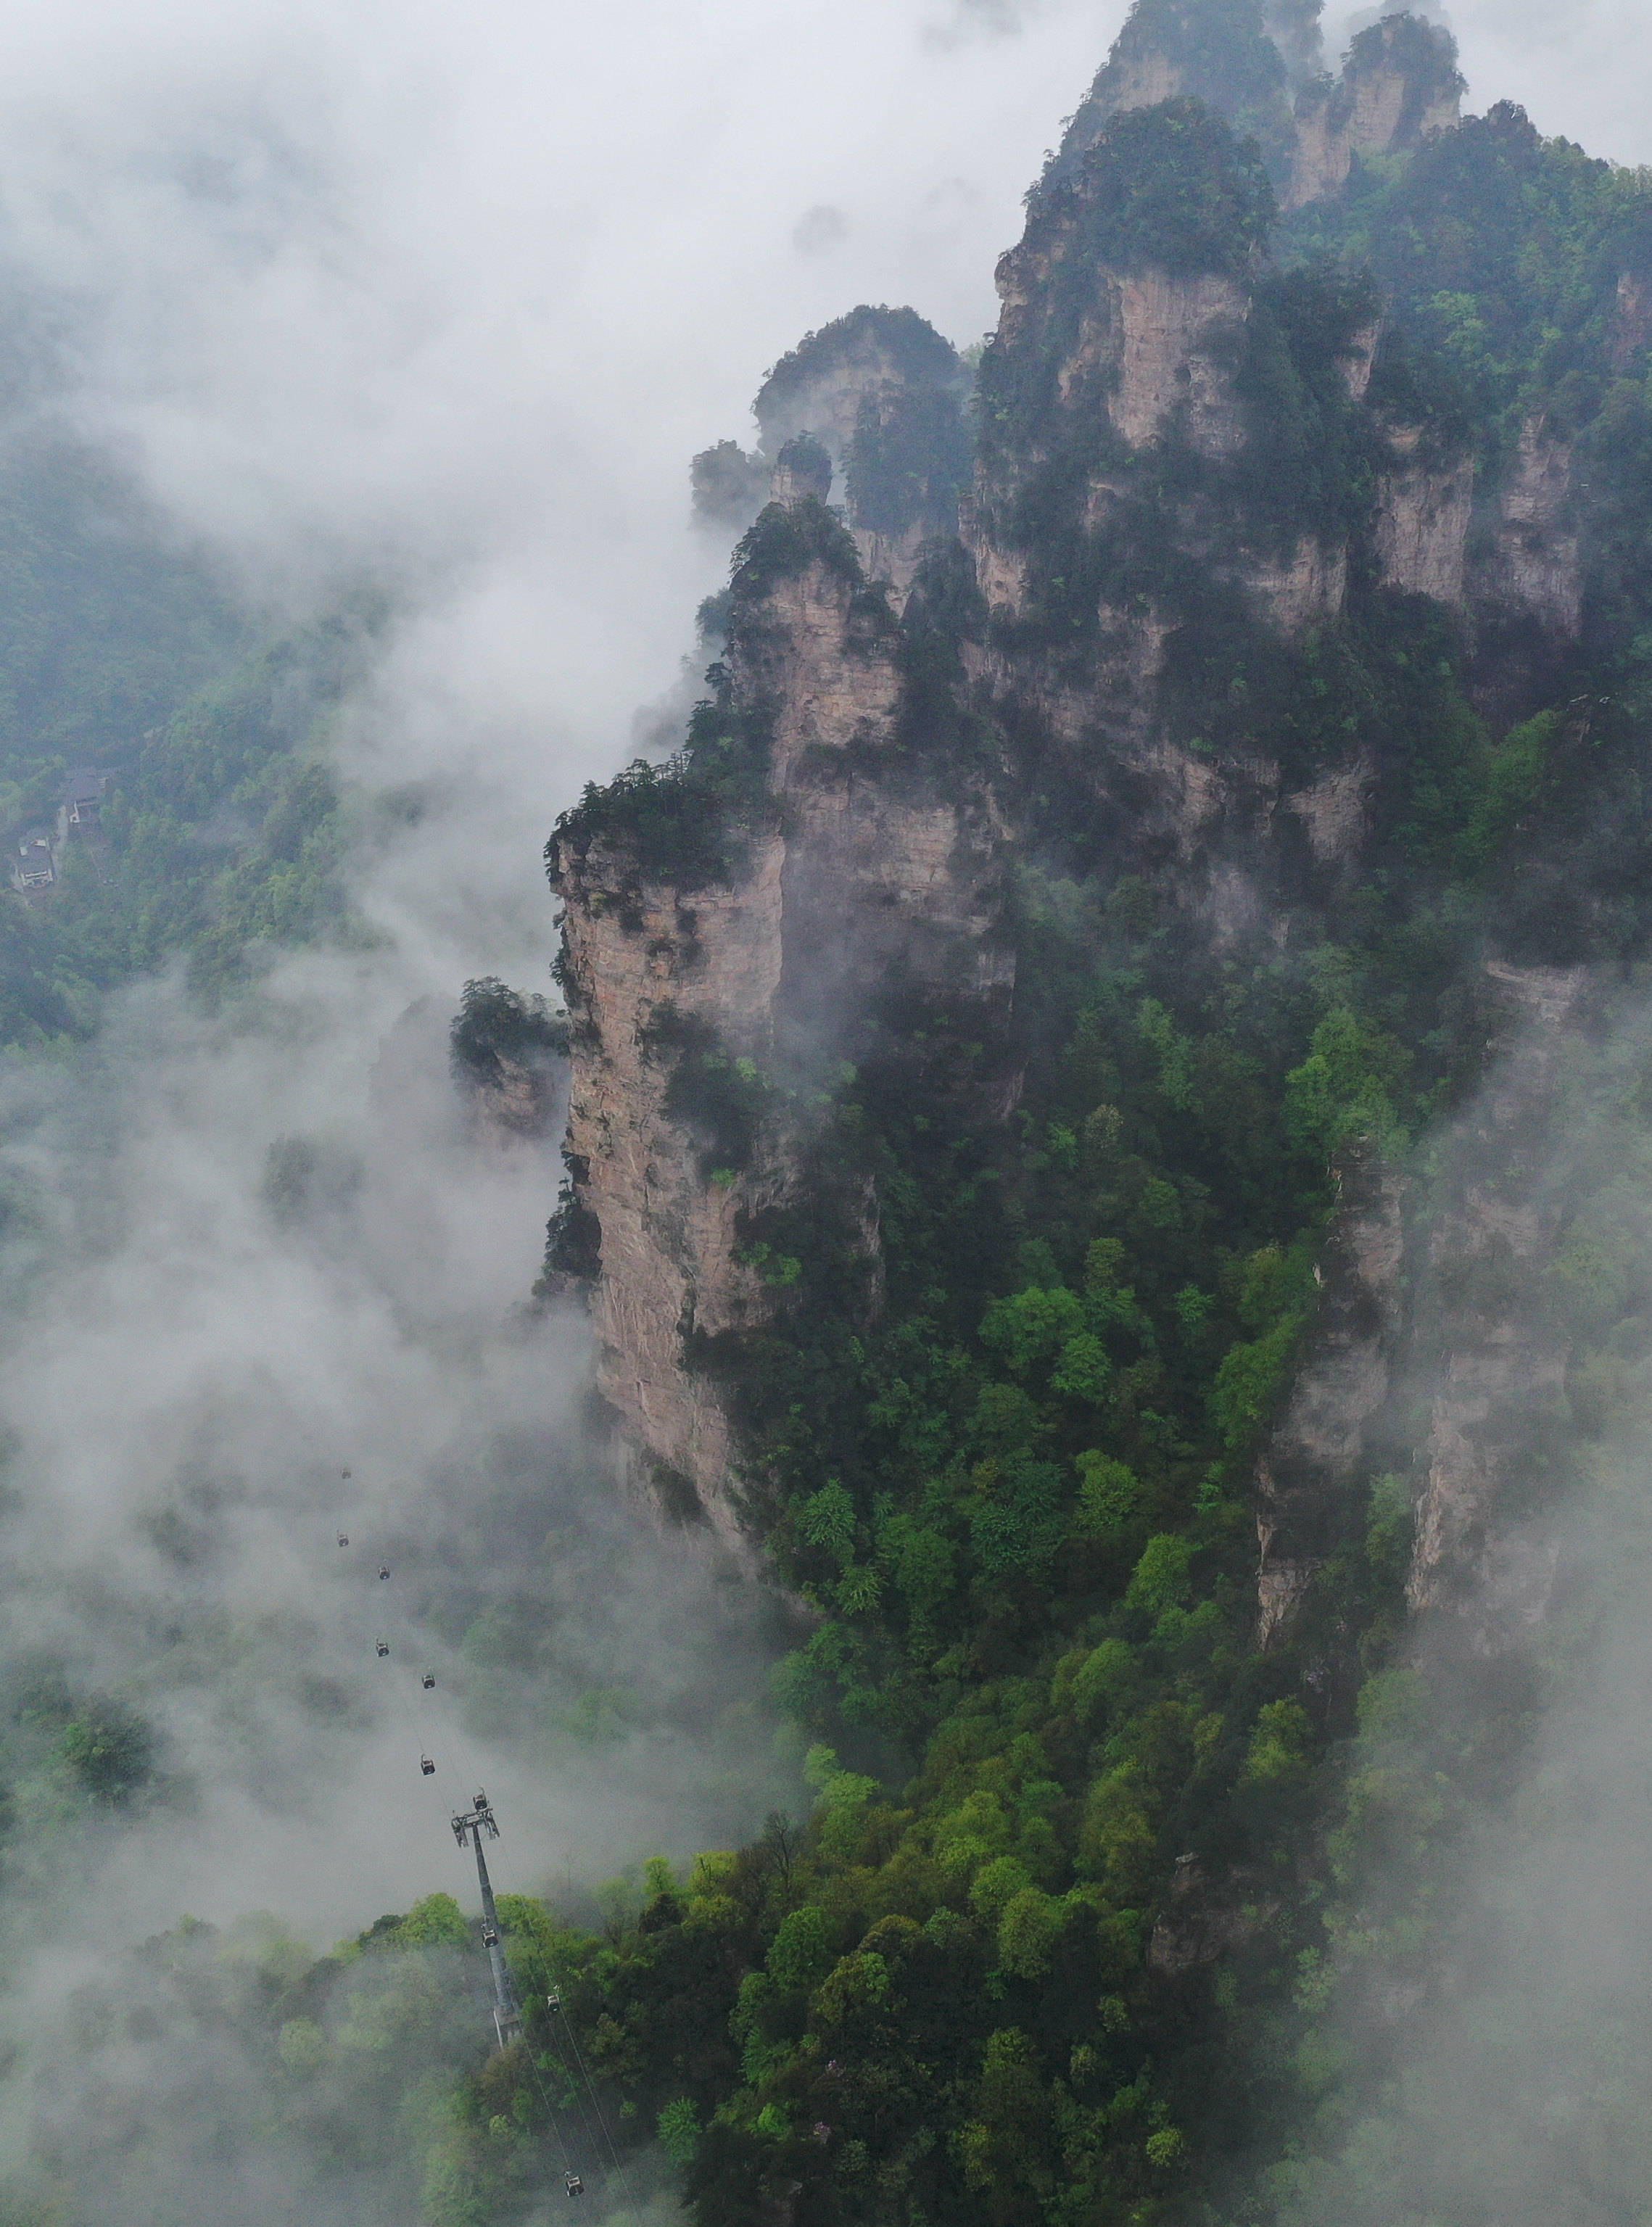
x,y
470,1828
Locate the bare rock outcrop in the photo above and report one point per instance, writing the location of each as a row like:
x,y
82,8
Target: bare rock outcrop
x,y
1176,357
1308,591
891,559
875,356
1425,509
844,872
1531,569
1335,812
1398,87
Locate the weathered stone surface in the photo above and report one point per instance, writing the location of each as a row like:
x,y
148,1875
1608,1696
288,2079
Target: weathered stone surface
x,y
857,874
1335,811
890,557
1379,105
859,367
520,1103
1424,513
1532,568
1177,356
1631,334
1307,592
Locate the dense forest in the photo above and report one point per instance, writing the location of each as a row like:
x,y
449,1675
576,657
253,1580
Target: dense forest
x,y
219,825
1100,1897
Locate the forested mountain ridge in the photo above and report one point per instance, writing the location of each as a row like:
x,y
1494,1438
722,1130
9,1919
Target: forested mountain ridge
x,y
1110,1111
1002,1042
122,655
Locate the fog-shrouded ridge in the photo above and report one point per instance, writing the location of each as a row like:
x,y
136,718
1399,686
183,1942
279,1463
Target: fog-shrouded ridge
x,y
1482,2054
446,304
238,1262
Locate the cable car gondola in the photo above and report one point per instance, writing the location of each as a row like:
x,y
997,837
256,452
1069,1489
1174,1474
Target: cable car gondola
x,y
384,1571
344,1538
428,1680
382,1649
427,1766
576,2187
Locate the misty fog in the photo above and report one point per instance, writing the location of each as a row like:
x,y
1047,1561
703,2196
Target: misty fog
x,y
442,301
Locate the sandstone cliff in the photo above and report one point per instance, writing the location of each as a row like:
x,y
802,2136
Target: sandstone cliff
x,y
751,983
1530,570
1425,508
1400,86
1135,491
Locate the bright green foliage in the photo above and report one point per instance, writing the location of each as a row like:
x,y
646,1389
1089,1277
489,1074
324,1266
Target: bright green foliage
x,y
437,1919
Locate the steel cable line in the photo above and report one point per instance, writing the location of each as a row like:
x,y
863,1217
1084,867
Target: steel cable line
x,y
435,1752
554,2004
590,2091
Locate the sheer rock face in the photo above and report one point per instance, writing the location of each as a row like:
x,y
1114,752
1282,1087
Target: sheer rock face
x,y
1532,566
1306,592
854,366
1386,101
1424,513
520,1103
891,559
1157,355
1153,349
856,872
1515,559
668,1233
1176,354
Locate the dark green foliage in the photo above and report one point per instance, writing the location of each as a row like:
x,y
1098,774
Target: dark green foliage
x,y
1013,1475
1175,188
1222,57
786,541
220,834
495,1023
944,610
573,1236
718,1098
900,339
1424,53
105,629
108,1750
728,485
688,821
117,653
1500,251
809,463
911,457
1170,187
